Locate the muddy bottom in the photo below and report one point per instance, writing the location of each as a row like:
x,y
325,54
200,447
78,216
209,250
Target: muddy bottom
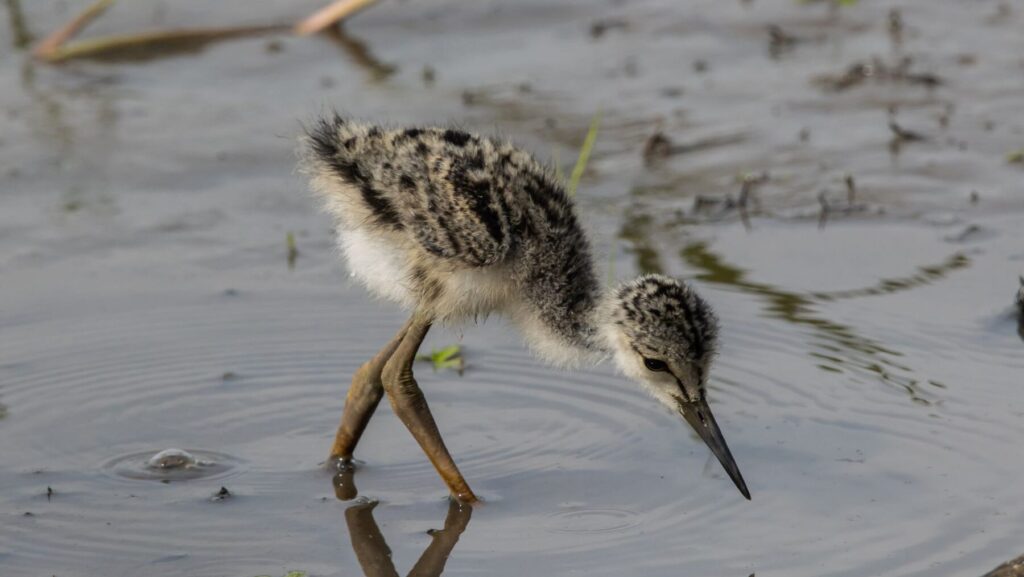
x,y
869,377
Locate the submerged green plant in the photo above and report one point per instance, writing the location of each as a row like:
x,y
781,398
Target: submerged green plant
x,y
449,357
1016,157
293,250
584,158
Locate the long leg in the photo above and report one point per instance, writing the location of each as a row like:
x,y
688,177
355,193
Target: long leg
x,y
362,399
411,407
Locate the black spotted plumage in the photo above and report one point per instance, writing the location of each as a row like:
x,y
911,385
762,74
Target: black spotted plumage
x,y
474,201
480,203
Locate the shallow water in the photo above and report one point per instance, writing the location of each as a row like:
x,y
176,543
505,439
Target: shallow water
x,y
869,380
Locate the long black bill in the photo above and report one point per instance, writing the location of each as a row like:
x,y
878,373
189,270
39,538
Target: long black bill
x,y
698,414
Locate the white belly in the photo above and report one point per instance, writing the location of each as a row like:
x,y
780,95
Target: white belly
x,y
380,267
384,270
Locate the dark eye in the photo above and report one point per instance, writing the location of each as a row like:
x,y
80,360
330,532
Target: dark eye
x,y
655,365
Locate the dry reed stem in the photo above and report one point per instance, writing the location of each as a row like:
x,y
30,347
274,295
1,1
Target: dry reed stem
x,y
99,46
53,43
329,15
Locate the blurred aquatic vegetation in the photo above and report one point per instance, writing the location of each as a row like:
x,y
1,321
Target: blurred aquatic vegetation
x,y
635,225
293,249
19,28
840,347
878,71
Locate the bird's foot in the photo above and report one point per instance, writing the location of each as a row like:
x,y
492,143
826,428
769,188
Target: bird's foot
x,y
341,463
344,477
344,483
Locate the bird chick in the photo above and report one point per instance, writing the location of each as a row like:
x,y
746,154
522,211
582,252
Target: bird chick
x,y
453,226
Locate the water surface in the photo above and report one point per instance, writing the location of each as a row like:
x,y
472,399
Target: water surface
x,y
869,379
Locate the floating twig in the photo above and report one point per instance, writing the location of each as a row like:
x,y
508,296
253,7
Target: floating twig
x,y
168,40
330,15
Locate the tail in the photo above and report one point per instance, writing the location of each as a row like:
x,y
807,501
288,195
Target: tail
x,y
339,155
331,150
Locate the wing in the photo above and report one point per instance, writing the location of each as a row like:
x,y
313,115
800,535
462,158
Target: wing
x,y
451,192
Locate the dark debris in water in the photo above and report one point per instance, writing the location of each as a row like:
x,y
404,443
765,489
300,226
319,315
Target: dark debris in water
x,y
659,146
780,42
877,70
903,134
221,495
599,28
970,233
429,75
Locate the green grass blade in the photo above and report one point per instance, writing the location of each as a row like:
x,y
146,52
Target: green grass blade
x,y
447,353
581,162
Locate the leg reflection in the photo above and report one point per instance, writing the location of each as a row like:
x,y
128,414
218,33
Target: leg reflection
x,y
373,552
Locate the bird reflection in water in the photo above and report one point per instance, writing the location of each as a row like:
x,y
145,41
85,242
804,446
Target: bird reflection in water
x,y
373,552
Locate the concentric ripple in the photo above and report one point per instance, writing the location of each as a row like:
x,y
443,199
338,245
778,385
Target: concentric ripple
x,y
592,521
195,464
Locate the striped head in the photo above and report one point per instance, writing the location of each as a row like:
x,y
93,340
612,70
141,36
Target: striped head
x,y
664,336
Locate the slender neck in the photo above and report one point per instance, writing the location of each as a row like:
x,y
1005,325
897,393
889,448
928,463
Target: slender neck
x,y
573,312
